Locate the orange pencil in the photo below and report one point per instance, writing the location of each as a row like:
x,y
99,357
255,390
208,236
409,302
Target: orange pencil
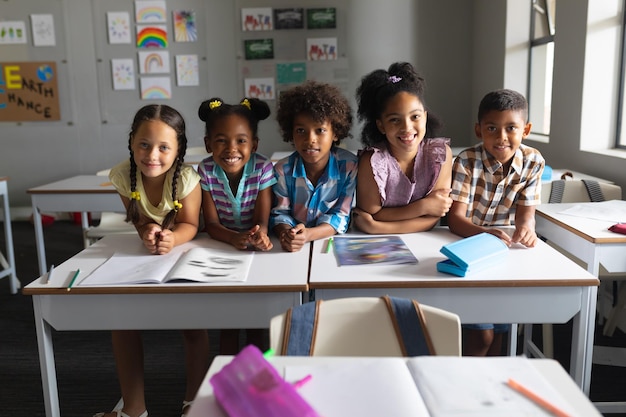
x,y
536,398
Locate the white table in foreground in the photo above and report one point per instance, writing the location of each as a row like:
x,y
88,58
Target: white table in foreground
x,y
538,285
249,304
82,193
205,404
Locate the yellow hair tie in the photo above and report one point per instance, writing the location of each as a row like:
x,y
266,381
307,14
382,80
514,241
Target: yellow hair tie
x,y
177,205
135,195
246,102
214,104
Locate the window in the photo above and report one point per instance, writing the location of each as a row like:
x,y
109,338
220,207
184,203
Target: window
x,y
620,141
540,64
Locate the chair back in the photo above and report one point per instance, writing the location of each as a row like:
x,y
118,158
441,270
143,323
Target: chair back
x,y
579,191
363,326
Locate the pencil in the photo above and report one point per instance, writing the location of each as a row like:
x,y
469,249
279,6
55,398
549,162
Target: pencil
x,y
329,244
536,399
49,276
69,287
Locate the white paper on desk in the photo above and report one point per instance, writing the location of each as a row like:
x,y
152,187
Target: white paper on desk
x,y
362,389
613,211
476,386
128,269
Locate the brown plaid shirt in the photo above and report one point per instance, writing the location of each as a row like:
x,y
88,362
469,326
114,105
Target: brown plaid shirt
x,y
479,180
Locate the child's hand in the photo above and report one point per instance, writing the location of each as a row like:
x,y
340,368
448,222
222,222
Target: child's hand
x,y
260,240
438,202
241,240
362,219
166,242
150,236
292,240
501,234
524,236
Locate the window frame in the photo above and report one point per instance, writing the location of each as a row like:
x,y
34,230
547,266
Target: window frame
x,y
537,42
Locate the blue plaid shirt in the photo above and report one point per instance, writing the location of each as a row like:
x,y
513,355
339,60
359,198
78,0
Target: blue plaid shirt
x,y
330,201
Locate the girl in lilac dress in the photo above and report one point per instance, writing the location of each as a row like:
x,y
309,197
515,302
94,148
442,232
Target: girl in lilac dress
x,y
405,172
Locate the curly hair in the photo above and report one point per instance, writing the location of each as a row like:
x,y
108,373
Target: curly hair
x,y
173,119
251,109
381,85
321,101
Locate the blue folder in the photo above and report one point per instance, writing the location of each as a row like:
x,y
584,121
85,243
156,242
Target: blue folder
x,y
472,254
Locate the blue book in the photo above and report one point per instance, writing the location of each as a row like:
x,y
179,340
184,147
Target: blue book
x,y
472,254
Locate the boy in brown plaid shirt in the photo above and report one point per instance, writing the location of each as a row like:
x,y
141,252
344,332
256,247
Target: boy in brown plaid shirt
x,y
496,183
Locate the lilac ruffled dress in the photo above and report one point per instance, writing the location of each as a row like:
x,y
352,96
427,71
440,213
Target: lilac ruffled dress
x,y
395,188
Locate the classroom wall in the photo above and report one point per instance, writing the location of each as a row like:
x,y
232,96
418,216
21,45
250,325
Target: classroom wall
x,y
462,55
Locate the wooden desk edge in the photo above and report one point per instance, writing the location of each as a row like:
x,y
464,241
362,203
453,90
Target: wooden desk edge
x,y
165,289
588,282
616,239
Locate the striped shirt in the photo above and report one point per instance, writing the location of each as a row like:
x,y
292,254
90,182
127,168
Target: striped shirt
x,y
330,201
479,181
236,212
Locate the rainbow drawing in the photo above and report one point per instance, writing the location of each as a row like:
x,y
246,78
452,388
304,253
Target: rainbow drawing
x,y
154,36
154,62
155,88
150,11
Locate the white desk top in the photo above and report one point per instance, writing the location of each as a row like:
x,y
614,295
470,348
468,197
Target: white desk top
x,y
595,231
76,184
520,269
260,279
205,404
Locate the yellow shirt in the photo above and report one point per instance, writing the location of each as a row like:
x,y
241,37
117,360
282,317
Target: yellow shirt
x,y
187,181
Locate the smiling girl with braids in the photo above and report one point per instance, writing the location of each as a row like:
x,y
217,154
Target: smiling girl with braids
x,y
162,198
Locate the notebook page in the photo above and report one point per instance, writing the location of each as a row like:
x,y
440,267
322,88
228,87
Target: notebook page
x,y
476,387
364,388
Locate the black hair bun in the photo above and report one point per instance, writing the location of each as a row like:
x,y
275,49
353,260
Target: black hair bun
x,y
259,108
208,106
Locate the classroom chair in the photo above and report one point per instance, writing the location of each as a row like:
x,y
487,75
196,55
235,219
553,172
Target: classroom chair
x,y
8,263
578,191
365,326
110,223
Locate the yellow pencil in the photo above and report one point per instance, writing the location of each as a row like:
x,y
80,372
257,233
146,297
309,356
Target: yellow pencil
x,y
537,399
69,287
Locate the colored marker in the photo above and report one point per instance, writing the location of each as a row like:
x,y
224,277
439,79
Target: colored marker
x,y
537,399
329,244
69,287
303,381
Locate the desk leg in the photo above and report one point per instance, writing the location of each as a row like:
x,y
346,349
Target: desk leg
x,y
582,339
41,249
46,361
84,222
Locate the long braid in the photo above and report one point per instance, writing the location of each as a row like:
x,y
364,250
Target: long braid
x,y
170,218
132,213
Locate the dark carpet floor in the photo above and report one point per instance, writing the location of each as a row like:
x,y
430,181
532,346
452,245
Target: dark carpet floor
x,y
84,362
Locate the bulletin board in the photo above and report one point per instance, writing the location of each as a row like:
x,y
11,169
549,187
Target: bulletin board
x,y
149,52
286,42
34,90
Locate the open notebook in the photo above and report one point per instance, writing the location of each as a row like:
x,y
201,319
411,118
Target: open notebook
x,y
426,386
194,265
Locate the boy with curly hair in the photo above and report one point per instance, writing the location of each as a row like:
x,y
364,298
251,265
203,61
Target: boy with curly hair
x,y
316,183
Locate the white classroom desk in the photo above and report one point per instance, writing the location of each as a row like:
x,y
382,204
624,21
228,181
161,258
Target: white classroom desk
x,y
205,404
82,193
591,242
249,304
538,285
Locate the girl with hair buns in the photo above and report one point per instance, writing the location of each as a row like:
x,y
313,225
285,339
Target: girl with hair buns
x,y
162,197
236,185
405,171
